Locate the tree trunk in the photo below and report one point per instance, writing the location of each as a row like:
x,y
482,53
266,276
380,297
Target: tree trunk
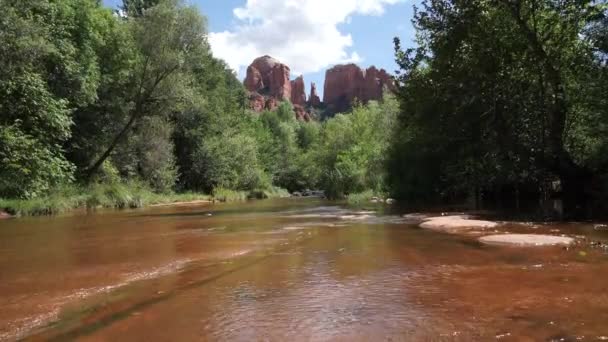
x,y
93,169
574,178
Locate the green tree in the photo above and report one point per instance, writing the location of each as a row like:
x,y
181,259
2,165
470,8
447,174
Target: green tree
x,y
47,69
170,40
492,100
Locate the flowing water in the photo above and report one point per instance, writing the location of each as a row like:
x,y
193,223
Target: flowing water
x,y
291,270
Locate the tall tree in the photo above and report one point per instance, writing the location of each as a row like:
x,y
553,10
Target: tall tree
x,y
47,69
136,8
492,99
169,39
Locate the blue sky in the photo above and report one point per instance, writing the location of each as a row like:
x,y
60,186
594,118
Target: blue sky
x,y
307,35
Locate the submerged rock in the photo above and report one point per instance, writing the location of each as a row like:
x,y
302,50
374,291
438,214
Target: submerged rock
x,y
455,223
526,240
4,215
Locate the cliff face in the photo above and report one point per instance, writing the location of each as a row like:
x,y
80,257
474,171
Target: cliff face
x,y
269,77
345,83
268,82
314,100
298,92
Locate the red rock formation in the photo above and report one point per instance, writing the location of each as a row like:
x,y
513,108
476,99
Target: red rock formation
x,y
257,102
314,100
301,113
253,81
269,77
342,86
298,92
268,83
271,104
345,83
280,85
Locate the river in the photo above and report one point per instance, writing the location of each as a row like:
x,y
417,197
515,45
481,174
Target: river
x,y
291,269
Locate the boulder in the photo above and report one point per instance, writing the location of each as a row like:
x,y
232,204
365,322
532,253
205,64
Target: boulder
x,y
526,240
4,215
456,224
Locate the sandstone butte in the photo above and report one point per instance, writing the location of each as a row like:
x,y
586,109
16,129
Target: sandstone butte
x,y
268,83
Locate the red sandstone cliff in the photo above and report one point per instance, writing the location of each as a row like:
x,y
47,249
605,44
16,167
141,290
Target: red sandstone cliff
x,y
268,82
314,100
269,77
345,83
298,92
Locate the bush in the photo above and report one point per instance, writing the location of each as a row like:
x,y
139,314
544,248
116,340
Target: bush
x,y
28,168
226,195
229,162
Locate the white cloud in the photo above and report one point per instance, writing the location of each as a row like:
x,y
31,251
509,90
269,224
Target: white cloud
x,y
303,34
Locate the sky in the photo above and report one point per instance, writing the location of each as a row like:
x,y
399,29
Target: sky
x,y
309,36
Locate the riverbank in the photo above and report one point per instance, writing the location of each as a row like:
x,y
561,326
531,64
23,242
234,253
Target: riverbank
x,y
120,196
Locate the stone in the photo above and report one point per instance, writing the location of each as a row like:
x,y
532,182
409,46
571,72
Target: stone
x,y
526,240
4,215
455,224
314,100
298,92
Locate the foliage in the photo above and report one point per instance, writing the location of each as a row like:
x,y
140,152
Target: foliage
x,y
349,155
227,195
501,98
106,195
229,162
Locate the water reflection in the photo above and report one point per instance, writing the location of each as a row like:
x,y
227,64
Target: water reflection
x,y
299,270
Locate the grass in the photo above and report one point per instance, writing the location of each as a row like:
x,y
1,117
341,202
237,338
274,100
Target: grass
x,y
363,197
227,195
272,192
116,195
120,196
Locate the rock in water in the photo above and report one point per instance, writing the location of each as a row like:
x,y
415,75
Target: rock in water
x,y
526,240
455,224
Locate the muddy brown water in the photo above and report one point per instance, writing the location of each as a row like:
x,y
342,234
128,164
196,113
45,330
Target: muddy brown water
x,y
299,270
